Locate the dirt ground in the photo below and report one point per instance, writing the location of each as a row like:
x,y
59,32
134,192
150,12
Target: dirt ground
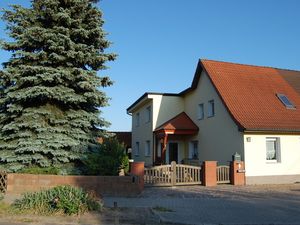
x,y
125,216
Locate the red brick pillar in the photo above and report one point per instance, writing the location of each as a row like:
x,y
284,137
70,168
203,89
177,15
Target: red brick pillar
x,y
137,169
209,173
237,173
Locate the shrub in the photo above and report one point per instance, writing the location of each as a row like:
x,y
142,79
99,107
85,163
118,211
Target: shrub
x,y
40,170
66,199
107,159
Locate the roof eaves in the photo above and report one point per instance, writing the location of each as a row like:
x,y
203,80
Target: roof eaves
x,y
272,130
146,94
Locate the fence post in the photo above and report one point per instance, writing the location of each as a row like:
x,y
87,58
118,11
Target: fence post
x,y
209,173
138,169
237,169
173,173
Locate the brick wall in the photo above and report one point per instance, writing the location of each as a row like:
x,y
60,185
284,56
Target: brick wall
x,y
103,185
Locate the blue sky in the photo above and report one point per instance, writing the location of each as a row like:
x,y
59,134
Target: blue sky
x,y
160,41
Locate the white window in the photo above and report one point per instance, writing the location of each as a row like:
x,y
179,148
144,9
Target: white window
x,y
272,149
147,148
201,111
193,150
211,108
137,120
137,148
148,114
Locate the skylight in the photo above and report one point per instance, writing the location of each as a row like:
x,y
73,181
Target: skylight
x,y
287,103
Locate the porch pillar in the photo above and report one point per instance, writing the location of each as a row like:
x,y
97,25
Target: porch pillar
x,y
164,149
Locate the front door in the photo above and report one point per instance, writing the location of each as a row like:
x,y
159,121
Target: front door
x,y
173,152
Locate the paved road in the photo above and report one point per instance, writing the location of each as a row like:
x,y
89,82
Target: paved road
x,y
277,204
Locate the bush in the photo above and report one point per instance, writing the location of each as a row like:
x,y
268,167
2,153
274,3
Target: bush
x,y
107,159
66,199
40,170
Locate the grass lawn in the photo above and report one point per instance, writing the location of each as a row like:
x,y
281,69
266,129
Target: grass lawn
x,y
4,208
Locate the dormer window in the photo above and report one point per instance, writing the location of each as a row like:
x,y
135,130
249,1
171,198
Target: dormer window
x,y
285,101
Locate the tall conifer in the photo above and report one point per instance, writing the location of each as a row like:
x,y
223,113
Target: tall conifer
x,y
50,93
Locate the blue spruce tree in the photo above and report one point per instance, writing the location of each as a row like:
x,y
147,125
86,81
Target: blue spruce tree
x,y
50,93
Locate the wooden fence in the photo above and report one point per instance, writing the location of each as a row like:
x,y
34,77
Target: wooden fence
x,y
3,181
171,175
223,174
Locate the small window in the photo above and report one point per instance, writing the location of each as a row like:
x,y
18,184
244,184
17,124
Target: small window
x,y
137,120
148,114
147,148
137,148
285,101
273,149
201,111
193,150
211,108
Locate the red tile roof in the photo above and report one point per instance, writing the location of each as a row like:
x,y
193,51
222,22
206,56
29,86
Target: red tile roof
x,y
249,94
181,123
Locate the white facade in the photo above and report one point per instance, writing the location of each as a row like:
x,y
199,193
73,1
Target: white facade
x,y
285,169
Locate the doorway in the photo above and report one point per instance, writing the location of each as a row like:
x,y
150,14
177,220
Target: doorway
x,y
173,152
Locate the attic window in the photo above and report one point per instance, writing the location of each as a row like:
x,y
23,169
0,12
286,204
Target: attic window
x,y
284,99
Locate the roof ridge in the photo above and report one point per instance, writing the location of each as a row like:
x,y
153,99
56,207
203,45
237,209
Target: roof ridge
x,y
244,64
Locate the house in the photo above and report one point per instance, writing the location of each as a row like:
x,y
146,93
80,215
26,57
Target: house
x,y
229,108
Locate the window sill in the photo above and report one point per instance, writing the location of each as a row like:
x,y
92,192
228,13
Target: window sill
x,y
272,161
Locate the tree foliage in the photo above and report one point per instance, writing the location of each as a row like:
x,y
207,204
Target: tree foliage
x,y
107,159
50,93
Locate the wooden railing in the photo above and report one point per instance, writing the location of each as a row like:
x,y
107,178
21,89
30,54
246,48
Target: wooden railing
x,y
3,181
186,174
158,175
171,175
223,174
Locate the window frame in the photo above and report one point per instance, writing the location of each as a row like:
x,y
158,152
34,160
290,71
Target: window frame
x,y
148,114
277,149
286,101
137,148
200,111
211,108
147,149
192,148
137,119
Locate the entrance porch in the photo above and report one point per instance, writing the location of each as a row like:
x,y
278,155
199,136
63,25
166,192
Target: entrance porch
x,y
172,140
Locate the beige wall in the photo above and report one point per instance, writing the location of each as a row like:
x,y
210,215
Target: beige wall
x,y
163,108
256,164
218,137
142,133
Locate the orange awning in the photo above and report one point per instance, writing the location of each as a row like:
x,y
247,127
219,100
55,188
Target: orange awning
x,y
180,124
